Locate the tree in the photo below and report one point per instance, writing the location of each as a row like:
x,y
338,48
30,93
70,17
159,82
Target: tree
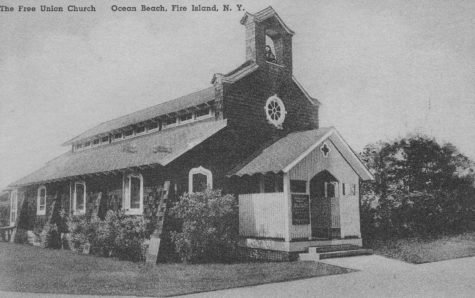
x,y
421,187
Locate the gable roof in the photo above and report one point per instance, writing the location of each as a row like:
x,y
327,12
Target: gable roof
x,y
265,14
158,148
180,103
288,151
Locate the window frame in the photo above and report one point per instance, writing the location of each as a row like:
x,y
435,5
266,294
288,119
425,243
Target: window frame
x,y
204,116
283,112
126,191
77,211
203,171
38,201
13,207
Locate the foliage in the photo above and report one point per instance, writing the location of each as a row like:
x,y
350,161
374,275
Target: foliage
x,y
421,188
209,230
50,236
4,215
117,235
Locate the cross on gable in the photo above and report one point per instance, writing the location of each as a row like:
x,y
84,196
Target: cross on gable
x,y
325,149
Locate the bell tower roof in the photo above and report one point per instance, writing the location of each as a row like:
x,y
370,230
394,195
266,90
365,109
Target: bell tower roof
x,y
265,14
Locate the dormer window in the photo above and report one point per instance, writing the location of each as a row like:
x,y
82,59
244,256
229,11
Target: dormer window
x,y
152,126
186,117
203,113
140,130
171,121
117,136
128,133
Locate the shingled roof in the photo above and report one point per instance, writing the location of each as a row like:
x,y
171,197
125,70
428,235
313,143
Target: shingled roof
x,y
285,153
158,148
175,105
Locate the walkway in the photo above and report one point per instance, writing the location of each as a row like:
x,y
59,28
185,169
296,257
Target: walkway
x,y
378,277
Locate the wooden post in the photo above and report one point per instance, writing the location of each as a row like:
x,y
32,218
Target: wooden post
x,y
288,216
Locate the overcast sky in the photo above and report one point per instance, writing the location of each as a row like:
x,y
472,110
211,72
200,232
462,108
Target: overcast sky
x,y
381,69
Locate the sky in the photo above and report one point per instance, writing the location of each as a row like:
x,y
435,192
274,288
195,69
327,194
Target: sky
x,y
381,69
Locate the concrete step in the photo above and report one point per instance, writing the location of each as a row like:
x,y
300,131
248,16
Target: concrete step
x,y
329,248
346,253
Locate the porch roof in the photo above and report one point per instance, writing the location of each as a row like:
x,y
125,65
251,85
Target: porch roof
x,y
285,153
159,148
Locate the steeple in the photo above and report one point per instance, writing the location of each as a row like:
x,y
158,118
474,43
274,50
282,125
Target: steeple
x,y
265,29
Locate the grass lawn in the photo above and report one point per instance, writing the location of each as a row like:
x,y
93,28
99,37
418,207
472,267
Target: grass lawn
x,y
419,251
32,269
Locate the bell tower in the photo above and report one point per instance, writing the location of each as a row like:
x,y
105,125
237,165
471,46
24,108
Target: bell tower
x,y
265,31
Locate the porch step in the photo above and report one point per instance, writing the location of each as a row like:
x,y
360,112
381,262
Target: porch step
x,y
333,251
339,247
346,253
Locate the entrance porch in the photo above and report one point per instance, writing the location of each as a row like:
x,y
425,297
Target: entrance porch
x,y
312,200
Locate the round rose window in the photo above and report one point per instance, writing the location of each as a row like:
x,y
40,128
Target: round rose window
x,y
275,111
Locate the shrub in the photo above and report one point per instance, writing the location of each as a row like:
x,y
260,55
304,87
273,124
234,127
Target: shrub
x,y
117,235
4,216
209,230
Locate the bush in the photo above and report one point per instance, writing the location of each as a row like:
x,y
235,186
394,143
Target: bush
x,y
4,216
117,235
209,229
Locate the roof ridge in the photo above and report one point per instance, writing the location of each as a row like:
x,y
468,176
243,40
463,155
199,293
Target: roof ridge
x,y
138,112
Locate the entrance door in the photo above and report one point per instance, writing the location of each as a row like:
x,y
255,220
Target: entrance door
x,y
325,209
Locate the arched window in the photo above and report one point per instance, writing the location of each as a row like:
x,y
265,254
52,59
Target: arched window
x,y
41,201
13,207
199,179
79,198
270,50
133,194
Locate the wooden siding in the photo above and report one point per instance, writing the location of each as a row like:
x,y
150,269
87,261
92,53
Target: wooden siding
x,y
335,163
262,215
349,217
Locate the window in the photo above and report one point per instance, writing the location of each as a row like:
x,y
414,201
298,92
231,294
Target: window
x,y
133,194
105,140
199,180
298,186
186,117
325,150
41,201
152,126
353,189
117,136
128,133
170,121
139,130
331,189
79,199
13,207
78,146
96,142
271,183
275,111
203,113
87,144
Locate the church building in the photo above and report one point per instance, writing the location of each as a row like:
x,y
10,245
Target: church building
x,y
254,132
